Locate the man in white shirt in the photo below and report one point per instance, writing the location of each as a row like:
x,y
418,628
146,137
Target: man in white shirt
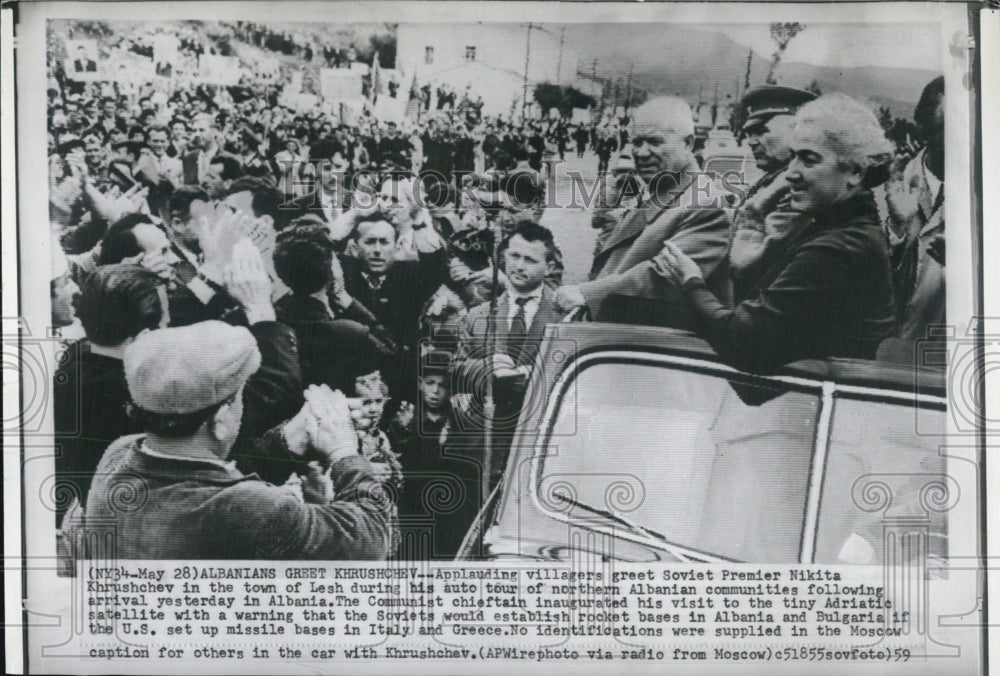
x,y
522,313
166,167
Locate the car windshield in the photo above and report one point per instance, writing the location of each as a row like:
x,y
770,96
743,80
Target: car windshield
x,y
715,466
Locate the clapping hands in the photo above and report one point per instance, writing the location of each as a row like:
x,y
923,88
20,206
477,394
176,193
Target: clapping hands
x,y
248,283
323,426
217,237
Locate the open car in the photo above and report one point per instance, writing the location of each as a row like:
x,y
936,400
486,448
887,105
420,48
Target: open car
x,y
636,443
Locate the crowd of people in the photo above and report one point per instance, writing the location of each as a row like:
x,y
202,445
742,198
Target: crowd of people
x,y
282,327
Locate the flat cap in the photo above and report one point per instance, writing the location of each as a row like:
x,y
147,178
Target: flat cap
x,y
761,103
189,368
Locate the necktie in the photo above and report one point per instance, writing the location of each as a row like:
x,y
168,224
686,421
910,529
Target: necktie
x,y
518,330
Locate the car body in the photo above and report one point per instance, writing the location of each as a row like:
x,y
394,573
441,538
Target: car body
x,y
638,444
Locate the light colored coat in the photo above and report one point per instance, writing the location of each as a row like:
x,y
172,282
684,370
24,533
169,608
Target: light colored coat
x,y
693,218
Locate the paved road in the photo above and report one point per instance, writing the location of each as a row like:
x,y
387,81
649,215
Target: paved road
x,y
571,225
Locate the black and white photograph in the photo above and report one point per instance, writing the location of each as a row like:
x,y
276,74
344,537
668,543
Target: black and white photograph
x,y
581,288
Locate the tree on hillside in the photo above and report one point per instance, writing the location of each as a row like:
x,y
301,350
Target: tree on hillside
x,y
884,115
574,98
782,34
548,96
385,45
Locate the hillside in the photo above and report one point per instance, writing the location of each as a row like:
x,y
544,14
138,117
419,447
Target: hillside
x,y
683,60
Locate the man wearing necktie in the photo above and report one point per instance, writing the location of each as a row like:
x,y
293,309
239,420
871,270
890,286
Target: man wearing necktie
x,y
522,314
394,290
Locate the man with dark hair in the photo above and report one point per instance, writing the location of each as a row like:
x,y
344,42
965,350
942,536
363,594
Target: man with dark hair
x,y
394,151
395,290
913,214
116,303
96,153
186,387
197,292
135,235
260,197
178,138
182,211
522,313
83,63
163,166
337,336
110,119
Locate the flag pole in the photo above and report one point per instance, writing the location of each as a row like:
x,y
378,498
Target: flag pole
x,y
489,401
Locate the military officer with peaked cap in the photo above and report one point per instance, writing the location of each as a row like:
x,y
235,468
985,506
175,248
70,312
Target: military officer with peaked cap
x,y
763,220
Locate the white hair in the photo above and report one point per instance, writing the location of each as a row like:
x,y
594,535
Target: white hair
x,y
668,113
848,127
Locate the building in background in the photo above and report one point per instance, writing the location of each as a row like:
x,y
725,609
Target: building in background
x,y
489,59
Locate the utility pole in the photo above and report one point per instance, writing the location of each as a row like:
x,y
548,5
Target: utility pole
x,y
562,36
527,60
628,87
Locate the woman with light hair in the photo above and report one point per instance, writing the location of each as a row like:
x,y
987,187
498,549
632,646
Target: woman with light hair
x,y
827,292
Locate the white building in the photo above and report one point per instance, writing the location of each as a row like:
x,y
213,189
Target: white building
x,y
490,59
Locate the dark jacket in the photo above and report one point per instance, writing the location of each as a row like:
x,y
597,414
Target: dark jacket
x,y
90,396
332,351
470,363
398,302
624,285
204,509
828,295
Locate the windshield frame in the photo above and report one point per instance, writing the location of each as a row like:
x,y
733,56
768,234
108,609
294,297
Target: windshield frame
x,y
825,390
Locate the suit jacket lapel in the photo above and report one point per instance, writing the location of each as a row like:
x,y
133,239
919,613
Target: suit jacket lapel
x,y
500,324
633,225
546,314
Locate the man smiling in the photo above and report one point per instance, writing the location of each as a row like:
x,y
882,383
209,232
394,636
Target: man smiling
x,y
678,204
829,294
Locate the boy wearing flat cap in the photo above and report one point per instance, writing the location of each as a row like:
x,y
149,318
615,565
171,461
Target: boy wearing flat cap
x,y
188,500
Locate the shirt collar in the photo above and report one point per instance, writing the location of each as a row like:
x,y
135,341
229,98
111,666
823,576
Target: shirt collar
x,y
374,281
933,182
531,295
228,466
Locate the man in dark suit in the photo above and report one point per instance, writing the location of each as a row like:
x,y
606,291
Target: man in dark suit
x,y
395,290
522,313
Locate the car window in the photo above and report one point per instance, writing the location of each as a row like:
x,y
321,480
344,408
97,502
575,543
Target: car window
x,y
683,453
883,469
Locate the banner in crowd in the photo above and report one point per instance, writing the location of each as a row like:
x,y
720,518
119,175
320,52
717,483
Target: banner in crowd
x,y
82,60
340,84
126,66
165,48
224,70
